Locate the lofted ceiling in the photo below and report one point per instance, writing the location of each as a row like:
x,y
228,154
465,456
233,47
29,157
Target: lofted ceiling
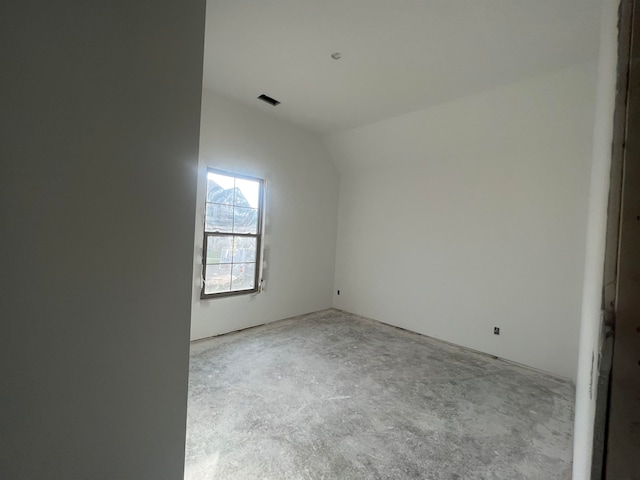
x,y
397,56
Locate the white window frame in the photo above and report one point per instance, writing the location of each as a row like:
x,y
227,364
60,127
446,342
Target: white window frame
x,y
258,236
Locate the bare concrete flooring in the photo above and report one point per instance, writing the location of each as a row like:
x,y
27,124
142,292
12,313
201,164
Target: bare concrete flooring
x,y
334,396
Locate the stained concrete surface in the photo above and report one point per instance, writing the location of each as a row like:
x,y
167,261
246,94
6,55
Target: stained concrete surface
x,y
332,395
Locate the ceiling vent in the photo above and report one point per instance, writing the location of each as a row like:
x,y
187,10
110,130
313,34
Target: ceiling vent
x,y
269,100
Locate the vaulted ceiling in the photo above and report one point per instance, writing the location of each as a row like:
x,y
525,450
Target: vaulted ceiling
x,y
397,56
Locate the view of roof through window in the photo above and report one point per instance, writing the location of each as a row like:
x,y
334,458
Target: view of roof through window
x,y
247,188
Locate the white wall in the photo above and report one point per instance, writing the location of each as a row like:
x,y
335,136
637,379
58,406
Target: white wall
x,y
301,214
591,324
472,214
98,151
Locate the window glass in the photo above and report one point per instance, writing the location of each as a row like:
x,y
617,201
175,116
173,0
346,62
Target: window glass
x,y
232,231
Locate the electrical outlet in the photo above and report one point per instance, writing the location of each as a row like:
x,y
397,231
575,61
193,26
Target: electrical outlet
x,y
338,292
496,330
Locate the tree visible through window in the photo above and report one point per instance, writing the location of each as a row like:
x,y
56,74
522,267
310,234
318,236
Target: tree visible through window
x,y
232,234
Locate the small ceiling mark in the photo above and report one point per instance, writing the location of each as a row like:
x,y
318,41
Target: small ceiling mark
x,y
336,55
269,100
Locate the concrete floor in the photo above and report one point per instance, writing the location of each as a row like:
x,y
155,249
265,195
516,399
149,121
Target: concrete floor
x,y
331,395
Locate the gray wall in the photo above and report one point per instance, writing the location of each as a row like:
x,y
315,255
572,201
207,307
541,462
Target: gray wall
x,y
99,125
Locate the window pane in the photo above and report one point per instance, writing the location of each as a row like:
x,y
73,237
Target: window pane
x,y
247,193
218,218
245,220
245,249
232,219
218,279
220,188
219,249
244,276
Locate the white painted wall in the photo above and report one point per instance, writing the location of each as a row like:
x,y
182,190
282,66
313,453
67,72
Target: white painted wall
x,y
301,214
591,323
472,214
98,151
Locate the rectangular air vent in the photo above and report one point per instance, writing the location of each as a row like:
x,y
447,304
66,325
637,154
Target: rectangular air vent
x,y
269,100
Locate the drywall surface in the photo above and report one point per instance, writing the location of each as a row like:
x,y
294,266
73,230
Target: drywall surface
x,y
471,215
591,319
99,131
300,214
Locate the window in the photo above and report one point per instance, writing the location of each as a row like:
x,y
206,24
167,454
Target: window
x,y
232,234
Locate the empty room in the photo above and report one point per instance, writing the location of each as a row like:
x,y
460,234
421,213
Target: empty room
x,y
371,165
318,239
